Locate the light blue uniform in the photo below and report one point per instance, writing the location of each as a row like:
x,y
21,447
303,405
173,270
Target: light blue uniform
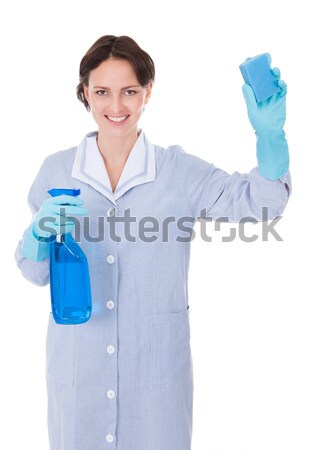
x,y
124,379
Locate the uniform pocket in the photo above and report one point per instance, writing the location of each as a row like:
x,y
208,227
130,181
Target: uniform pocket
x,y
170,347
60,351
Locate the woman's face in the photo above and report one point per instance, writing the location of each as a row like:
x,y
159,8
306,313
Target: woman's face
x,y
113,91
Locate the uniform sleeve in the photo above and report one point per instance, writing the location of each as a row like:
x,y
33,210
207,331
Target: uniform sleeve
x,y
36,272
214,193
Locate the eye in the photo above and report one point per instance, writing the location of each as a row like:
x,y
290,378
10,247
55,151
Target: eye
x,y
101,90
131,90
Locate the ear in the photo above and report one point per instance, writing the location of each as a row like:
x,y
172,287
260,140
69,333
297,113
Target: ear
x,y
85,89
148,92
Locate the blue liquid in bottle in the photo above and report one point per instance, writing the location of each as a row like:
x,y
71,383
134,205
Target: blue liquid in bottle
x,y
70,288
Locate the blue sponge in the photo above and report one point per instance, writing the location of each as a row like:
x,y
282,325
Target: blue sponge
x,y
257,73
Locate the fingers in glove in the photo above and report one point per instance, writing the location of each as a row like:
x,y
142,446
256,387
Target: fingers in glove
x,y
283,87
249,97
276,71
64,199
68,210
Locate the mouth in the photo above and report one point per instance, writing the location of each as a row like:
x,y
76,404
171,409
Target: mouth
x,y
117,120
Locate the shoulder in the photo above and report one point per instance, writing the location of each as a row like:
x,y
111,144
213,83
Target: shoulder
x,y
59,163
187,163
61,156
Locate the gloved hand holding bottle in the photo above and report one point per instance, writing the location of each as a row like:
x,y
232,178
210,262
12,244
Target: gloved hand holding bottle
x,y
268,118
49,221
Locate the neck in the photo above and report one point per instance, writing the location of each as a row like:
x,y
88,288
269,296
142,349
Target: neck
x,y
115,150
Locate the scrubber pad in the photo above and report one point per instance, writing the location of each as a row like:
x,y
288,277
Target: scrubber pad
x,y
257,73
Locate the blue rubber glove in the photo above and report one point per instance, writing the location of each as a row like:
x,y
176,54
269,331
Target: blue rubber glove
x,y
49,221
268,118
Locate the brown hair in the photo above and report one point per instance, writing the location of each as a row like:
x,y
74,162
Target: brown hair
x,y
121,47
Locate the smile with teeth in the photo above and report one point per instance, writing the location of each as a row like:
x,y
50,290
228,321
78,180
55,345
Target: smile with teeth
x,y
117,119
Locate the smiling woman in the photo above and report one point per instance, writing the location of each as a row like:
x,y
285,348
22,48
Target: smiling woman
x,y
124,380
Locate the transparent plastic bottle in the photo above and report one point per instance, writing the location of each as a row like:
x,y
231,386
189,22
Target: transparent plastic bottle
x,y
70,289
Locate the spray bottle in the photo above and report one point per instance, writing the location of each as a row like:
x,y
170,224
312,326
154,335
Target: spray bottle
x,y
70,289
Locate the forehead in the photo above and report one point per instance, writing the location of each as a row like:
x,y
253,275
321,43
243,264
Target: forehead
x,y
113,72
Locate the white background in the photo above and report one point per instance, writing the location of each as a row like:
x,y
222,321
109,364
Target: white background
x,y
255,308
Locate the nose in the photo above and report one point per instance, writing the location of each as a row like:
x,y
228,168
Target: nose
x,y
115,106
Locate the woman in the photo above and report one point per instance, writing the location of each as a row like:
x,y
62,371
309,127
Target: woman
x,y
124,380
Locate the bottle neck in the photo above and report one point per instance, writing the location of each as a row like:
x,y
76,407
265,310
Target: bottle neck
x,y
60,238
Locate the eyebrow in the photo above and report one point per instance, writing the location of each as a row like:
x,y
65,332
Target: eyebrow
x,y
106,87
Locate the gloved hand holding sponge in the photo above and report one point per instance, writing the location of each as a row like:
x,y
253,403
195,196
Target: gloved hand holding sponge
x,y
265,97
49,221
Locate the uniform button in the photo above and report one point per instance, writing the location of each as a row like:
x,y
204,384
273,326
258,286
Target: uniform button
x,y
110,304
109,438
110,259
110,393
110,349
111,212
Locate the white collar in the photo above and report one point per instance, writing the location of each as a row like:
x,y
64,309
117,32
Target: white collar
x,y
89,166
